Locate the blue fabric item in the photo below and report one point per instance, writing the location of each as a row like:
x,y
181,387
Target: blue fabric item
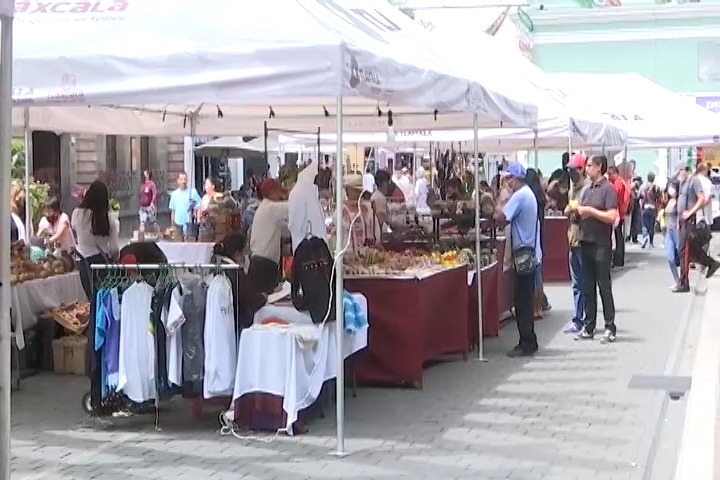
x,y
112,339
672,247
575,261
355,318
521,210
100,332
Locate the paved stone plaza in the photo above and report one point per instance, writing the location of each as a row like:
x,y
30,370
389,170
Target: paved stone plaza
x,y
565,414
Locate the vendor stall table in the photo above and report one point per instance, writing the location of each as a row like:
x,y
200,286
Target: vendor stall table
x,y
31,298
279,373
556,251
491,315
413,320
192,253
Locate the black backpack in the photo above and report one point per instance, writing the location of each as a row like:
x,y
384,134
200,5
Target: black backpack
x,y
310,279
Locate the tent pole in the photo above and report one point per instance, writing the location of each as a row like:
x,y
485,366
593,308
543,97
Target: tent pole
x,y
28,173
535,149
6,54
193,122
478,268
265,147
339,317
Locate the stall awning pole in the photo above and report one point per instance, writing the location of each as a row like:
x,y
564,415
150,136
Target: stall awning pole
x,y
6,24
339,301
478,246
535,150
29,227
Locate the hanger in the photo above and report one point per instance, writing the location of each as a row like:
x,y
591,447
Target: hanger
x,y
308,232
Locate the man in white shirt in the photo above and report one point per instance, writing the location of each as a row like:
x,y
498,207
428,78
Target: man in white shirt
x,y
305,213
269,224
369,179
706,213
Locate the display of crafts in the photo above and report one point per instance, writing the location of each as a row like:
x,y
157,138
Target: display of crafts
x,y
409,262
74,317
23,268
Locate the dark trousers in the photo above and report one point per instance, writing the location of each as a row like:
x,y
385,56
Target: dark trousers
x,y
523,302
690,250
86,273
618,256
596,275
648,223
635,221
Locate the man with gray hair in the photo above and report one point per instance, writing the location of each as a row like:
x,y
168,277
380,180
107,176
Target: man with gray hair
x,y
693,231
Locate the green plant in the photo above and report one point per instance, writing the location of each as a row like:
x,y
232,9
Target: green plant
x,y
114,205
35,199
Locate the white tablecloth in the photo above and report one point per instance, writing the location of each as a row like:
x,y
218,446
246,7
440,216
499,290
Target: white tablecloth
x,y
270,359
187,252
31,298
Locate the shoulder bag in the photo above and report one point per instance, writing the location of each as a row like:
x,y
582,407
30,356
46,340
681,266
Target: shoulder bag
x,y
523,258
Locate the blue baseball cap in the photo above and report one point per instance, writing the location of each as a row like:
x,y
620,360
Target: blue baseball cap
x,y
514,169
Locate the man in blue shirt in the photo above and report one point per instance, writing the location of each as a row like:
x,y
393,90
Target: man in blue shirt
x,y
521,212
183,201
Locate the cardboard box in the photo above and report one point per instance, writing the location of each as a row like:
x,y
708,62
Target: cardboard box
x,y
69,355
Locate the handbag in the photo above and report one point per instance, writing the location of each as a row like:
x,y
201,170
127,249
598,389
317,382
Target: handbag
x,y
699,232
523,258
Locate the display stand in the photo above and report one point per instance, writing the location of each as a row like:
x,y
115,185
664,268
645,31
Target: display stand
x,y
413,320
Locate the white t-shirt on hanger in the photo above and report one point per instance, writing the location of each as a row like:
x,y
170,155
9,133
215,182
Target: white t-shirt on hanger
x,y
136,363
220,342
173,318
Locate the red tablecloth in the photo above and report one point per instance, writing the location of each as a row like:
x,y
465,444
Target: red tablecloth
x,y
504,282
556,251
491,316
412,321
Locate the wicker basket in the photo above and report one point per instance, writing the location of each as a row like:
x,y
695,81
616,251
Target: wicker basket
x,y
69,355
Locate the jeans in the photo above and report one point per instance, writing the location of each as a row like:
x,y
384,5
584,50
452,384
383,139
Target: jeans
x,y
618,257
672,247
596,275
523,301
648,223
88,278
575,260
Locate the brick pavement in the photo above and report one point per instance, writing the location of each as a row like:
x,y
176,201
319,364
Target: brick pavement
x,y
565,414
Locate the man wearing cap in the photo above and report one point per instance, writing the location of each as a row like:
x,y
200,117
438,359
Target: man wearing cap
x,y
692,234
521,212
623,198
268,227
598,210
576,169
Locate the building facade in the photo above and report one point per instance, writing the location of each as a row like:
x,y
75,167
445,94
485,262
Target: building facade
x,y
67,160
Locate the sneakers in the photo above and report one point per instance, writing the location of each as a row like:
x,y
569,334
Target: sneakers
x,y
608,337
584,335
518,352
681,289
572,327
645,242
712,269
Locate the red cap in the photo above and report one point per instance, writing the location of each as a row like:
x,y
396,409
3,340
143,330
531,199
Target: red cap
x,y
269,186
577,160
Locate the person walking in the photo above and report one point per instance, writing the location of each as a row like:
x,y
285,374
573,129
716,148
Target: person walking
x,y
576,168
672,247
598,211
693,231
649,199
624,196
521,212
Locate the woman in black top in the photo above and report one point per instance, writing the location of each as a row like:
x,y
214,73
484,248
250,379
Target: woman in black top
x,y
533,181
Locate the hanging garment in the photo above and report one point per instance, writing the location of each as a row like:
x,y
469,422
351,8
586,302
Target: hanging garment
x,y
220,339
101,326
112,339
173,319
193,306
137,345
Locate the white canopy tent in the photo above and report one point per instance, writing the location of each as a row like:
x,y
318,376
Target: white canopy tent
x,y
236,146
179,67
562,118
119,70
653,116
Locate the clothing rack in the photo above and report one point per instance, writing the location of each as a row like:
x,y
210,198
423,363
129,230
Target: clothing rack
x,y
92,399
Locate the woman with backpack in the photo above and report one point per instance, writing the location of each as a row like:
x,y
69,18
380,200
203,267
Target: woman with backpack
x,y
650,199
